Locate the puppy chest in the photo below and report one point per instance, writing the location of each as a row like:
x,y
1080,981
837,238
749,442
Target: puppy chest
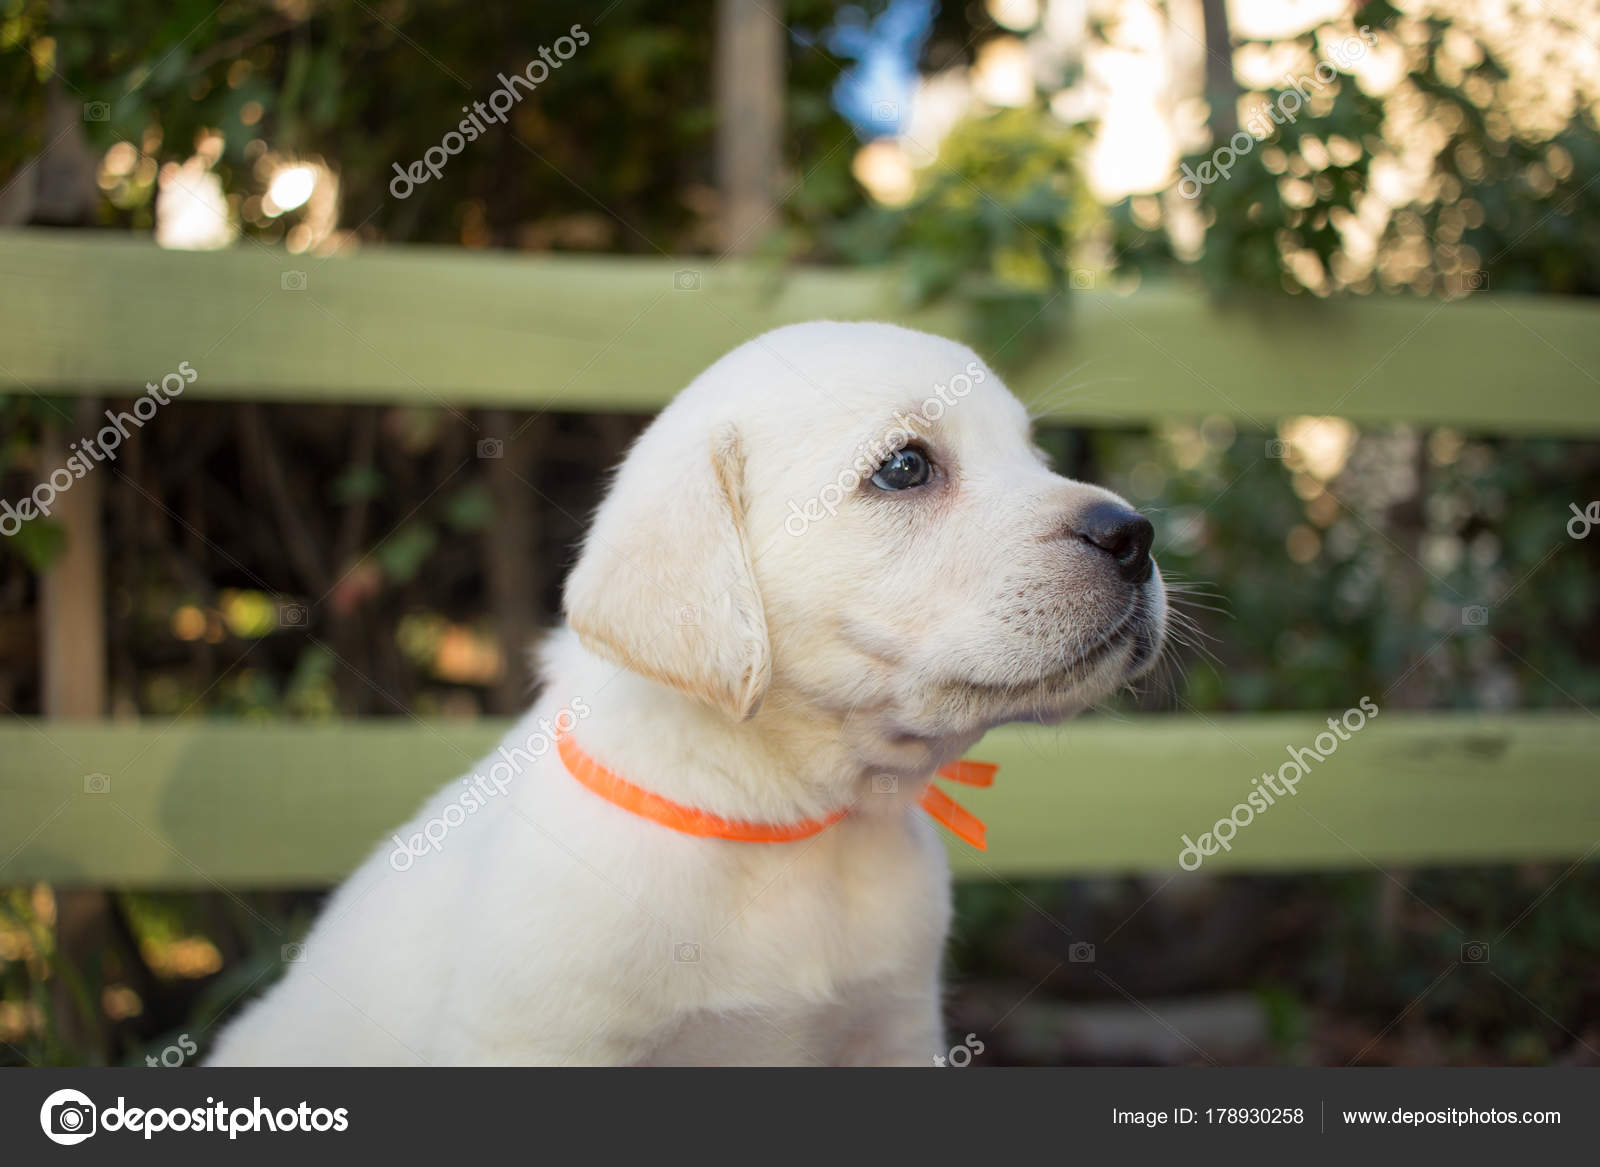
x,y
869,903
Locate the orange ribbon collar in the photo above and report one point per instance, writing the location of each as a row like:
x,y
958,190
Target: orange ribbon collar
x,y
618,791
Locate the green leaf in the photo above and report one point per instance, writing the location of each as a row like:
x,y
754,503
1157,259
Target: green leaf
x,y
357,483
402,555
470,508
40,542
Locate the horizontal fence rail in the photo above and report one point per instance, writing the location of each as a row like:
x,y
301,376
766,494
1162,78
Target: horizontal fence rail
x,y
197,804
102,313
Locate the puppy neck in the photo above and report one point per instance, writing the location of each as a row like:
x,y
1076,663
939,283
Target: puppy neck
x,y
791,761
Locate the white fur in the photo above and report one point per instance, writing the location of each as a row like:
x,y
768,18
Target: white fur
x,y
732,665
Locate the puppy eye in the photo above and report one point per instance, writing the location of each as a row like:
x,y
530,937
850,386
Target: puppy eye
x,y
903,470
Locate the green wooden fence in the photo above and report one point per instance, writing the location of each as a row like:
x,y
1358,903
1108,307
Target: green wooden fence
x,y
196,803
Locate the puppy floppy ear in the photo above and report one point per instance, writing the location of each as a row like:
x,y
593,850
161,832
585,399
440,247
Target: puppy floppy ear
x,y
664,586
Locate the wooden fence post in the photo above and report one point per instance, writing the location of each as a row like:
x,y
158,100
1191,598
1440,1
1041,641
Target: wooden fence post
x,y
72,592
73,683
751,47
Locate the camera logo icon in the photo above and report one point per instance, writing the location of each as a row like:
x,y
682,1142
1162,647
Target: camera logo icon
x,y
292,953
688,614
885,111
97,111
491,448
686,280
686,953
1475,281
1277,449
97,783
68,1117
1475,616
1081,953
1475,952
885,784
293,281
1082,279
293,616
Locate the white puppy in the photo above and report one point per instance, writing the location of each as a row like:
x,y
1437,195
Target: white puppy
x,y
828,567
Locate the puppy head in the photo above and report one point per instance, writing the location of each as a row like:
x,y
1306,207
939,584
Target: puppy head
x,y
854,514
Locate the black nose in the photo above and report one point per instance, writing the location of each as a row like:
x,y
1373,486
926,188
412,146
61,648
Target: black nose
x,y
1123,534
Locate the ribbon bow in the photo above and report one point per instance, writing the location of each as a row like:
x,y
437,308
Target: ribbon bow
x,y
946,811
